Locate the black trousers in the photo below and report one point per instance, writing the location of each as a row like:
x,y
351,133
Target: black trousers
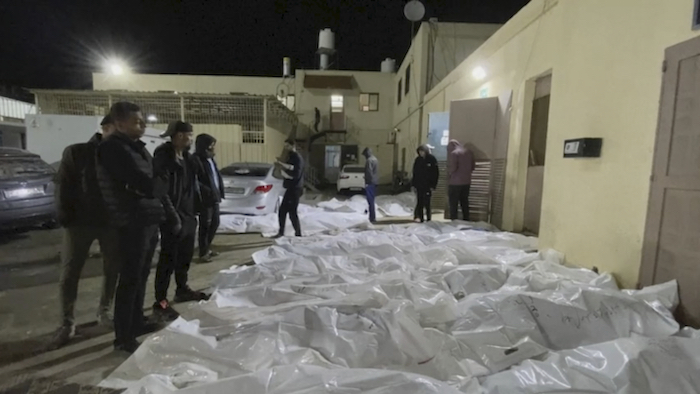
x,y
135,243
290,203
423,204
459,196
175,257
208,224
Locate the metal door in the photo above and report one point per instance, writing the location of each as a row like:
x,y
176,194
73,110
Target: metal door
x,y
672,238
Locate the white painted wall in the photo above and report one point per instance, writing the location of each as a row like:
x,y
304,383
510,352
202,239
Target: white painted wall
x,y
49,135
213,84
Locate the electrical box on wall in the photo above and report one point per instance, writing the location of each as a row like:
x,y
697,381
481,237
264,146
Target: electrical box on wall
x,y
583,147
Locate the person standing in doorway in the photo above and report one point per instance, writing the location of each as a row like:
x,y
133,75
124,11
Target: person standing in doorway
x,y
83,216
371,181
460,166
172,162
133,200
211,192
293,173
425,179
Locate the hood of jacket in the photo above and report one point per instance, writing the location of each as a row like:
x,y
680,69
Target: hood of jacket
x,y
452,145
425,148
367,152
96,139
167,150
202,143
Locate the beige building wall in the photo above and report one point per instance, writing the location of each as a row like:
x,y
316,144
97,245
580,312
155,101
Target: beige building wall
x,y
213,84
605,58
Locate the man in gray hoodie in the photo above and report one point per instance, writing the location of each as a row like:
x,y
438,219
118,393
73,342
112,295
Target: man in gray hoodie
x,y
460,165
371,181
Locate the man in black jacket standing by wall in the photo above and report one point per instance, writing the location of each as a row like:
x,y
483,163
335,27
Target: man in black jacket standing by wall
x,y
293,173
172,161
425,179
83,215
132,196
211,193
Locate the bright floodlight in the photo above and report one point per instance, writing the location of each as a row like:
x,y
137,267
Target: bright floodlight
x,y
152,118
117,67
479,73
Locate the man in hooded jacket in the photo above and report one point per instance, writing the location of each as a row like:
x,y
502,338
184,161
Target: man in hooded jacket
x,y
211,187
425,179
460,166
371,181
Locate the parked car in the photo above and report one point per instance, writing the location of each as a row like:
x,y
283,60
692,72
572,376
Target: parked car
x,y
250,189
351,178
26,190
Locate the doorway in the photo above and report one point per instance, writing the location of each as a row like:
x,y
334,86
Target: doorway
x,y
536,155
671,249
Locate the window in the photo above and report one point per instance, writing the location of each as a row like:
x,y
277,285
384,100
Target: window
x,y
369,102
253,137
332,156
336,103
398,94
408,79
696,15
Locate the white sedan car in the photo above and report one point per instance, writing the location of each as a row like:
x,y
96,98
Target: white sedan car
x,y
250,189
351,178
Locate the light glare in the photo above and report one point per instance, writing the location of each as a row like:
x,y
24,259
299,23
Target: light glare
x,y
479,73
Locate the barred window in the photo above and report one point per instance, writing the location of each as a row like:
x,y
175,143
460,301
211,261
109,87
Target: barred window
x,y
253,137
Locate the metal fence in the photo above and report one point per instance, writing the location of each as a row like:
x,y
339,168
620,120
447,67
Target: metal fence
x,y
253,113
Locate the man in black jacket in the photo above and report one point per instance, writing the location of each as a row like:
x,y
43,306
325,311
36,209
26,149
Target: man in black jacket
x,y
132,196
425,178
172,162
83,215
293,173
211,188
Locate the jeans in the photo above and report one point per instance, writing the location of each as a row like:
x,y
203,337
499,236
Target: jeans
x,y
459,195
371,192
290,204
175,257
423,204
76,247
135,242
208,224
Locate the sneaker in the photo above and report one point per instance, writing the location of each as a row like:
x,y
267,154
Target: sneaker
x,y
164,312
104,318
188,294
62,336
205,259
213,253
279,235
129,347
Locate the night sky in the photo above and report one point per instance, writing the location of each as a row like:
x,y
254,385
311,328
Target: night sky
x,y
57,43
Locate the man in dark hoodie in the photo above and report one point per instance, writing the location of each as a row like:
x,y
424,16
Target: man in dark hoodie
x,y
171,161
132,197
293,173
425,179
83,215
211,192
371,181
460,165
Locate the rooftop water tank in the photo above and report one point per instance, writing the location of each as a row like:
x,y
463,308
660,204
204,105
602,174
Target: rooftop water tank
x,y
326,39
388,65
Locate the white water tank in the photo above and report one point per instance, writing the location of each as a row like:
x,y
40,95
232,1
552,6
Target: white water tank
x,y
388,65
286,67
326,39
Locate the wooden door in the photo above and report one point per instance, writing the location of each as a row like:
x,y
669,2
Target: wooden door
x,y
672,238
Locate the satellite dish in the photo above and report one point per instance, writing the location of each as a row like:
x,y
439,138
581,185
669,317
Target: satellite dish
x,y
414,10
282,90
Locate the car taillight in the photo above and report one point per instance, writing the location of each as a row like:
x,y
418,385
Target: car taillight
x,y
345,177
263,189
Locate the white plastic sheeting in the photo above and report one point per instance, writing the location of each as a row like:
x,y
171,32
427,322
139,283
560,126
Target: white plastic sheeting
x,y
427,309
324,216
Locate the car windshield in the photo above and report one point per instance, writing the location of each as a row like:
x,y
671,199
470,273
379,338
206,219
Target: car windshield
x,y
27,167
353,170
244,170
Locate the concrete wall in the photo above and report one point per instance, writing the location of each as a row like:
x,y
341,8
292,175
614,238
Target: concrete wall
x,y
606,59
215,84
11,134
